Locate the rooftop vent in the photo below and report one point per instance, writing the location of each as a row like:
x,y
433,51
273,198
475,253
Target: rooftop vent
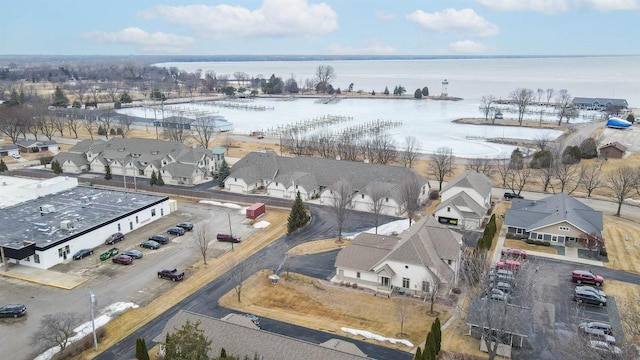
x,y
46,209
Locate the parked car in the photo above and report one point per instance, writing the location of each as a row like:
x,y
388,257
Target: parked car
x,y
254,319
596,325
122,259
136,254
172,274
501,277
150,244
15,156
228,238
586,277
501,285
599,335
114,238
187,226
592,289
82,254
109,253
508,265
176,231
13,310
605,347
161,239
515,253
588,297
512,195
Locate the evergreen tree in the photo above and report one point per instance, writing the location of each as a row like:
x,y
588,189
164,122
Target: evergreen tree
x,y
298,216
125,98
223,353
160,181
425,91
154,178
55,166
224,172
430,347
107,172
418,354
437,327
187,342
141,350
59,98
386,90
3,166
417,94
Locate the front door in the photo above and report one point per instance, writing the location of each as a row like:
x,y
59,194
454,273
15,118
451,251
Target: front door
x,y
385,281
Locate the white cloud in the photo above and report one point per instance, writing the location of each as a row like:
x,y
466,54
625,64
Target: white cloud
x,y
559,6
467,47
275,18
373,49
465,21
158,42
383,15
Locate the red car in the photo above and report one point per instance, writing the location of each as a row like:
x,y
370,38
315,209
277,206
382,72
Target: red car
x,y
516,253
508,264
122,259
586,277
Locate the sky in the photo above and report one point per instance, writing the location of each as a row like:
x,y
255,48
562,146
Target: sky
x,y
315,27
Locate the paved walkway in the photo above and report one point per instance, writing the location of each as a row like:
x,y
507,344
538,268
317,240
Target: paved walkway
x,y
43,277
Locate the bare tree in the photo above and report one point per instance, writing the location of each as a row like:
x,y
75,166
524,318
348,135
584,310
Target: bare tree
x,y
432,292
201,240
441,164
622,182
124,124
481,165
540,92
543,140
377,194
522,99
47,127
564,106
411,150
295,141
518,179
341,196
79,90
203,131
590,177
238,273
347,148
568,175
486,106
402,313
106,120
89,122
112,92
550,93
504,170
56,329
73,122
323,144
11,121
410,190
384,149
325,74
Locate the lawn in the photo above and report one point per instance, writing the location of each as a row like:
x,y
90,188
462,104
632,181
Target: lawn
x,y
622,240
327,307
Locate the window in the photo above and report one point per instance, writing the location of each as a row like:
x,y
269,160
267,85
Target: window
x,y
564,228
36,258
449,262
363,196
384,281
405,283
386,199
425,286
153,212
161,212
137,219
119,228
130,225
358,274
540,236
448,209
276,184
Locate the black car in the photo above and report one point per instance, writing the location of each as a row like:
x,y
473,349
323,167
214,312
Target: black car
x,y
150,244
589,297
512,195
187,226
82,254
162,239
136,254
176,231
13,310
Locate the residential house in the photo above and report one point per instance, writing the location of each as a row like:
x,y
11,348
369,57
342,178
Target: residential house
x,y
558,219
425,257
240,338
175,162
588,103
9,150
31,146
465,201
318,178
613,150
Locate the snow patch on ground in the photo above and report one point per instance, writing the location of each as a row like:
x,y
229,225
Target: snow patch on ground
x,y
241,210
392,228
632,200
370,335
261,224
85,329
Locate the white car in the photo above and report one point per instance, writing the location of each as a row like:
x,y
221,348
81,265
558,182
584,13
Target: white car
x,y
605,346
15,156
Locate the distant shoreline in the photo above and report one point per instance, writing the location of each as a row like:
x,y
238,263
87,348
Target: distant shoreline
x,y
356,96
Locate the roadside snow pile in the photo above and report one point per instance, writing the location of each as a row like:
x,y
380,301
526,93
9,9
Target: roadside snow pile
x,y
632,200
392,228
85,329
261,224
370,335
217,203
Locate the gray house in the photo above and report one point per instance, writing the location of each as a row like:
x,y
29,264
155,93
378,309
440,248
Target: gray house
x,y
241,338
558,219
465,201
316,177
588,103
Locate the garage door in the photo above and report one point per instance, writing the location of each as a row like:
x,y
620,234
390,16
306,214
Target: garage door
x,y
276,193
235,188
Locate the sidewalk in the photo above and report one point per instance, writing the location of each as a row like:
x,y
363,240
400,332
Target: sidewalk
x,y
43,277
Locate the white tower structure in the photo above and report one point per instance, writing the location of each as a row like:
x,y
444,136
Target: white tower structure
x,y
445,86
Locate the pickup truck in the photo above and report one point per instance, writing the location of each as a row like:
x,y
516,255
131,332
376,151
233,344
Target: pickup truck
x,y
512,195
172,274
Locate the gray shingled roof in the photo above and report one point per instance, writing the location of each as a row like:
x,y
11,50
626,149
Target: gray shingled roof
x,y
84,145
616,145
180,170
365,251
8,147
241,341
326,172
76,159
465,205
601,101
532,215
473,180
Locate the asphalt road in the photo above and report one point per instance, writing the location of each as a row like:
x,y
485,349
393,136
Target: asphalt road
x,y
271,257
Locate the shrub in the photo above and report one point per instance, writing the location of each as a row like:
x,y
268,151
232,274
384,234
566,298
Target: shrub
x,y
603,251
456,291
531,241
45,160
588,148
546,243
354,285
434,195
539,242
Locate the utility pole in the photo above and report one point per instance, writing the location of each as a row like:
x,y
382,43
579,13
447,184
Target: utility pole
x,y
93,302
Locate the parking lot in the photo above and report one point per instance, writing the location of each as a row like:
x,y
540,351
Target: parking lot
x,y
111,283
